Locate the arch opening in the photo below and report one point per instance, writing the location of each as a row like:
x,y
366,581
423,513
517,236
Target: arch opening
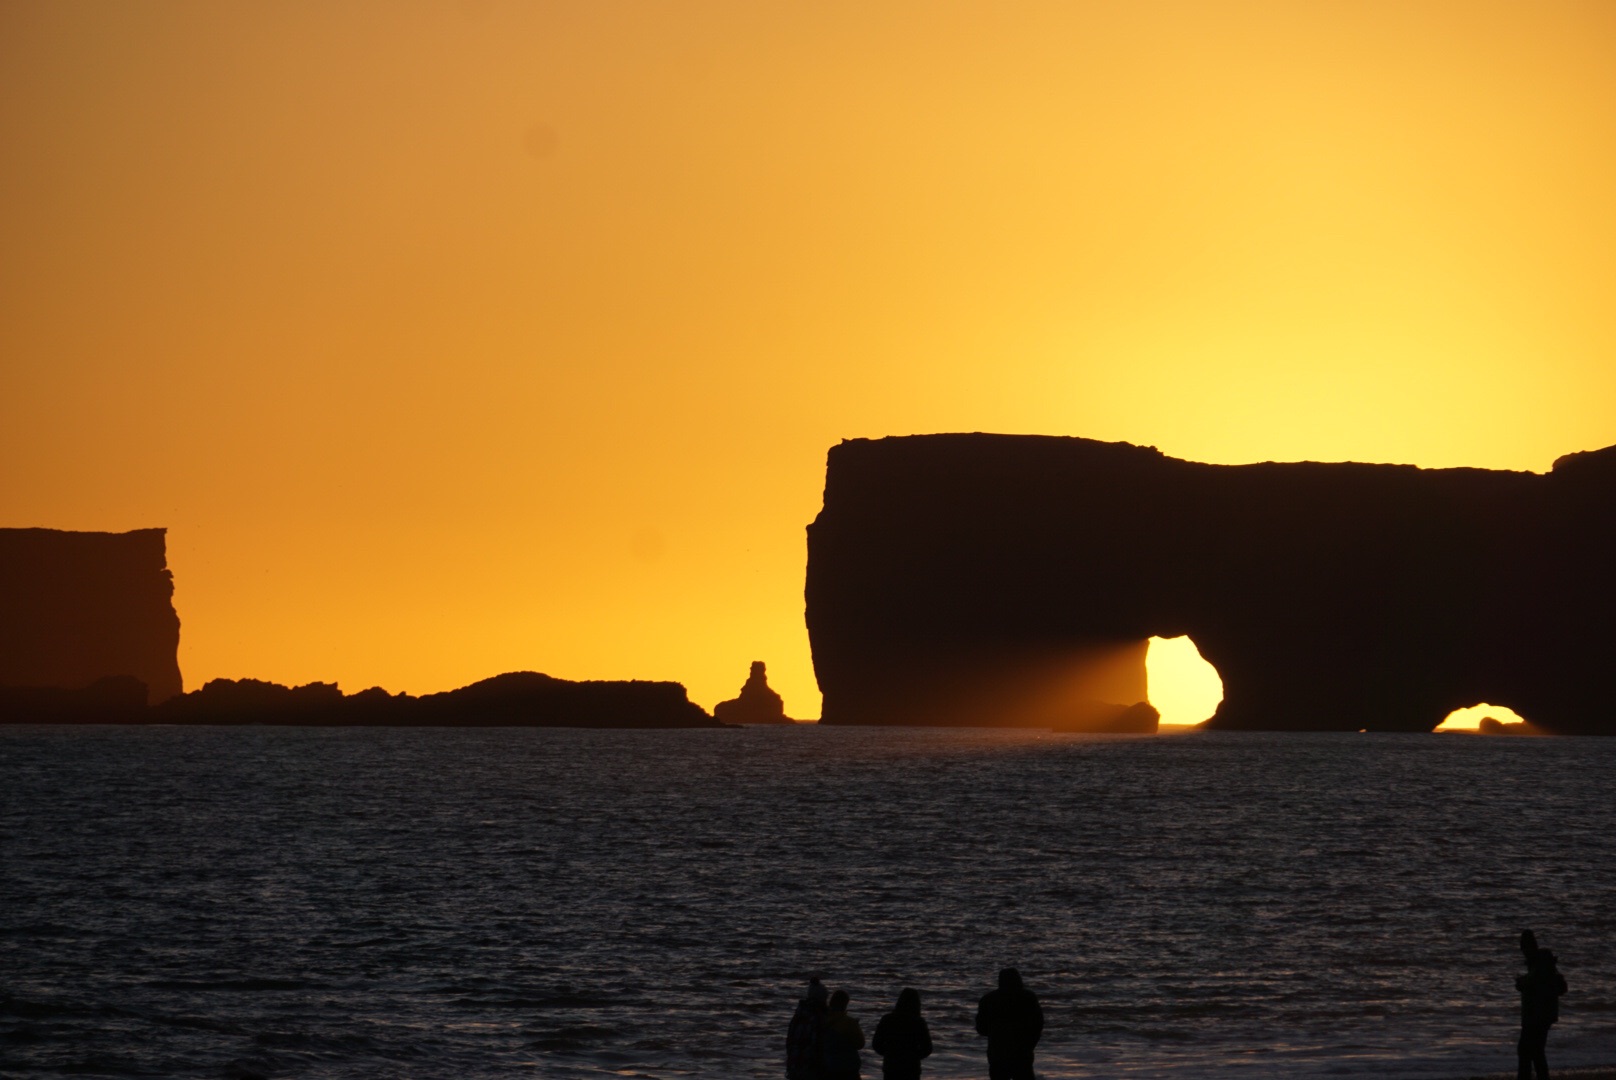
x,y
1485,719
1184,688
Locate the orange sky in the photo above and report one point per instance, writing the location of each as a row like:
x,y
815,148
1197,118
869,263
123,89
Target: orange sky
x,y
449,339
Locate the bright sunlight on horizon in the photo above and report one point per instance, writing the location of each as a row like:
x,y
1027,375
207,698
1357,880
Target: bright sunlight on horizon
x,y
1184,688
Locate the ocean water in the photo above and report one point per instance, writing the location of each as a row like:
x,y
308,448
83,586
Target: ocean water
x,y
282,902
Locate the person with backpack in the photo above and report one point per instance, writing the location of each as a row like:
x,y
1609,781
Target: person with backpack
x,y
1540,989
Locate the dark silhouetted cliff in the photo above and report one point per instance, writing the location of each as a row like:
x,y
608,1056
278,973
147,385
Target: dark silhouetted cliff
x,y
992,579
76,607
516,699
757,702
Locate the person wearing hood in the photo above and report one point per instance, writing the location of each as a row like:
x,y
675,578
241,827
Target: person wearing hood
x,y
1012,1021
902,1038
805,1038
843,1041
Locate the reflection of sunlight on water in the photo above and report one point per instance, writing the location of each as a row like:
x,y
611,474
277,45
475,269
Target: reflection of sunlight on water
x,y
1184,688
1469,719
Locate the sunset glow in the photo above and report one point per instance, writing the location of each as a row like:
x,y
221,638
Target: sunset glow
x,y
457,338
1470,719
1184,688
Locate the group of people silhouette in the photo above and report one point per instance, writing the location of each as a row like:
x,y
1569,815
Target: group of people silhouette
x,y
823,1041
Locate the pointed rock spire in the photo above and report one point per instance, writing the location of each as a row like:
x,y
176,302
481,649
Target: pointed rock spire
x,y
756,703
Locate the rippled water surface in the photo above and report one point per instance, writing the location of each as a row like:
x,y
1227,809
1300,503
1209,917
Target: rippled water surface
x,y
238,902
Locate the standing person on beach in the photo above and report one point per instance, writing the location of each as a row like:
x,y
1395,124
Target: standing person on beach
x,y
805,1038
1012,1021
1540,989
843,1041
902,1038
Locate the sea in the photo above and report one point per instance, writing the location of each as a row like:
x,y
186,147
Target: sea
x,y
240,902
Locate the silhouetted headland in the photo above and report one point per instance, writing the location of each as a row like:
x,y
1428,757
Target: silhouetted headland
x,y
999,579
78,607
757,703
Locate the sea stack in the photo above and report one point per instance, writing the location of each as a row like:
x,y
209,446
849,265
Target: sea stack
x,y
1009,579
757,703
78,608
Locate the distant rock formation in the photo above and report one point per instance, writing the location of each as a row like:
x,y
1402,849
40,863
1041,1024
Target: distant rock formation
x,y
1098,718
756,703
78,607
999,579
515,699
254,701
1491,725
528,699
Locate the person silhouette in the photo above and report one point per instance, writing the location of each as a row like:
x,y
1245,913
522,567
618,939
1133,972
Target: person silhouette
x,y
805,1037
843,1041
1540,989
1012,1021
902,1038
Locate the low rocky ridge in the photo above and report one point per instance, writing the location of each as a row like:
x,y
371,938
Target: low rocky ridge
x,y
515,699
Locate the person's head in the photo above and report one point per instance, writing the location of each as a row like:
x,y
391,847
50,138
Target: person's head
x,y
1009,979
908,1002
816,991
838,1001
1541,960
1528,942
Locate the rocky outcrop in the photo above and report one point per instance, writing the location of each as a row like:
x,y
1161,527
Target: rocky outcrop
x,y
528,699
757,702
996,579
254,701
1098,718
1491,725
77,607
515,699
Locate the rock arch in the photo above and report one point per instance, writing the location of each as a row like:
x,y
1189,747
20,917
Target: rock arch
x,y
951,577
